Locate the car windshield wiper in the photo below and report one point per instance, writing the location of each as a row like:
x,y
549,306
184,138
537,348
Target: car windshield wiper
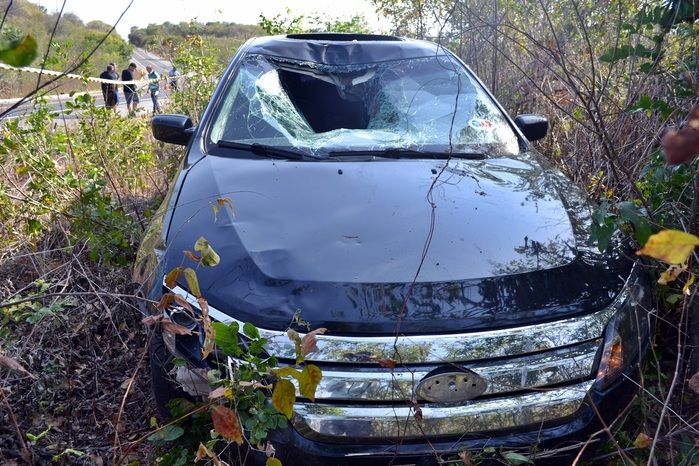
x,y
400,153
262,149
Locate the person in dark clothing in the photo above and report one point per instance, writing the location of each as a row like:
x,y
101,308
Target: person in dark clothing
x,y
109,91
130,91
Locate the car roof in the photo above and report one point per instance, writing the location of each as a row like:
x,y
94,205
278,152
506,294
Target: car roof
x,y
343,49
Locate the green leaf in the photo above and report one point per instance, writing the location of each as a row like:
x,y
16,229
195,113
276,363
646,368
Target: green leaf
x,y
167,434
283,397
226,337
250,330
209,258
516,458
625,51
20,52
192,283
172,277
630,212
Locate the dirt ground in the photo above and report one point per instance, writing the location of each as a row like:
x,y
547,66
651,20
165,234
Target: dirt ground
x,y
85,396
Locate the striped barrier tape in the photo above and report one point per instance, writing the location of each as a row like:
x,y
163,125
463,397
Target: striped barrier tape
x,y
27,69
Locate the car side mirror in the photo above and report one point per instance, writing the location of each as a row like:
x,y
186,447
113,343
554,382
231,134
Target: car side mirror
x,y
534,127
175,129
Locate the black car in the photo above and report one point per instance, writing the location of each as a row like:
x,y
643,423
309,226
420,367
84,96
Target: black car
x,y
377,189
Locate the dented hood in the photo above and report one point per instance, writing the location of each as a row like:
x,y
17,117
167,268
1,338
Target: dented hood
x,y
486,243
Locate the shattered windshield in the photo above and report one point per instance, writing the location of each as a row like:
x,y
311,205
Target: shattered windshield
x,y
421,104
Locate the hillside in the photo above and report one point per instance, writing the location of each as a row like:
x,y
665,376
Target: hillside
x,y
73,41
222,38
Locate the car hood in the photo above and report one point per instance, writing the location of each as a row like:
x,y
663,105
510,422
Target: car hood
x,y
358,246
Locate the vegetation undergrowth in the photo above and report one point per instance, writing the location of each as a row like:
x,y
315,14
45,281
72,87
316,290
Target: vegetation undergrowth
x,y
75,197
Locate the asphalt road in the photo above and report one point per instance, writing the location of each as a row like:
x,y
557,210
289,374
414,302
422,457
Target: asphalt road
x,y
141,57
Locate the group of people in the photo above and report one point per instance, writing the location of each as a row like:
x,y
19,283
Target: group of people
x,y
110,91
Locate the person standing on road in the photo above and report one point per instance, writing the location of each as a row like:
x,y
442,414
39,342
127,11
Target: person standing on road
x,y
109,91
116,88
174,73
154,88
130,92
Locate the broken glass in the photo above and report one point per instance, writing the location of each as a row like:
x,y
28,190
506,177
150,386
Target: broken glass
x,y
424,104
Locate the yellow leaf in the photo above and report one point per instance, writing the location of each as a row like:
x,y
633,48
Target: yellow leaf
x,y
287,372
309,380
192,283
226,423
642,441
296,338
671,246
172,277
671,274
690,281
283,397
203,452
271,461
209,257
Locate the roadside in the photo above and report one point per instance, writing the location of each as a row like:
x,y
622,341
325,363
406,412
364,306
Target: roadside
x,y
140,57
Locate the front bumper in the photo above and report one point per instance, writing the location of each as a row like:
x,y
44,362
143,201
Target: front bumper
x,y
546,443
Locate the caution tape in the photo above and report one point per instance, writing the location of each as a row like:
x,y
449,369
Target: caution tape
x,y
27,69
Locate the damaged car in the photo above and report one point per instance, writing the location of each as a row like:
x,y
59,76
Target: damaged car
x,y
378,190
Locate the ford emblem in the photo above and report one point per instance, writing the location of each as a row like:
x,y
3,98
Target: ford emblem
x,y
451,387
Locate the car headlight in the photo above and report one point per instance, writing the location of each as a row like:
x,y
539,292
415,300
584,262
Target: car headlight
x,y
626,336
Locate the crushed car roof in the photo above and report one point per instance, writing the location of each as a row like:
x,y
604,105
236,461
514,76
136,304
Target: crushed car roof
x,y
343,49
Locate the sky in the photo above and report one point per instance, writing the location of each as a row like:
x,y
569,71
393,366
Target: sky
x,y
143,12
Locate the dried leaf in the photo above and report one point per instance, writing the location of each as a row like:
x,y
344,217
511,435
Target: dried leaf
x,y
226,423
181,301
202,453
283,397
671,246
209,257
217,393
683,145
642,441
226,201
272,461
694,383
388,363
671,274
268,448
150,321
172,277
309,380
417,413
209,333
10,363
192,283
309,341
190,255
690,281
165,301
177,329
465,457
